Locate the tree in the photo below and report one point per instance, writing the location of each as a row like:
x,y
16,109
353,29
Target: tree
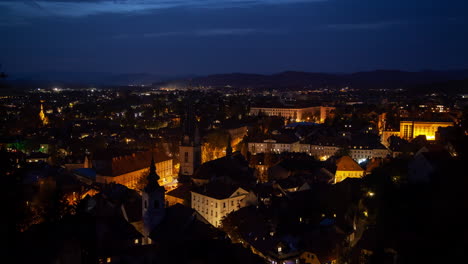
x,y
344,151
142,180
420,141
244,149
270,159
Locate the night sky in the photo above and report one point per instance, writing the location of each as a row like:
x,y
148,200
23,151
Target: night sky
x,y
219,36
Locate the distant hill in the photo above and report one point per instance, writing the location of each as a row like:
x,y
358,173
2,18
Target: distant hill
x,y
389,79
91,78
452,87
298,80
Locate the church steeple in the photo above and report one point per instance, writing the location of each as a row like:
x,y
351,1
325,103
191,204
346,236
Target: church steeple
x,y
153,203
191,135
152,177
42,116
190,145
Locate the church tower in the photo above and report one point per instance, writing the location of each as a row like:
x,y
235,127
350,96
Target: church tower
x,y
42,116
153,203
190,146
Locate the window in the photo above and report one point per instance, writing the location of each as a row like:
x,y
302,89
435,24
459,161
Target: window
x,y
186,157
146,204
232,203
224,205
216,205
156,204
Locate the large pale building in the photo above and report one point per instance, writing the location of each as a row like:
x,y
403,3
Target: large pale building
x,y
271,145
216,200
410,129
296,114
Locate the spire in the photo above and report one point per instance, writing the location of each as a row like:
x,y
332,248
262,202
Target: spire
x,y
152,177
229,148
42,116
191,135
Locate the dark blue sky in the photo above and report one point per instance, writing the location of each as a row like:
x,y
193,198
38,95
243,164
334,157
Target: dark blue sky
x,y
217,36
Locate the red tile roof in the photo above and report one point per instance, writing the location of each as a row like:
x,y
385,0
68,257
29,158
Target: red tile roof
x,y
346,163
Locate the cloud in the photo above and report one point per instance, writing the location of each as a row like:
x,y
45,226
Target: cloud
x,y
200,33
364,26
88,7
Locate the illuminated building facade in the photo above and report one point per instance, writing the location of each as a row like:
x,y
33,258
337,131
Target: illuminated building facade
x,y
410,129
42,116
346,167
128,170
296,114
271,145
214,205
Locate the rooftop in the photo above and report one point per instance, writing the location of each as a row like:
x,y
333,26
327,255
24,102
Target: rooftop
x,y
346,163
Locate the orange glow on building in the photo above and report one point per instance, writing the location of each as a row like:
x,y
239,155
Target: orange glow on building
x,y
42,116
411,129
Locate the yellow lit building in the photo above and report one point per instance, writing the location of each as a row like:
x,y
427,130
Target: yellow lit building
x,y
42,116
129,169
298,114
410,129
346,167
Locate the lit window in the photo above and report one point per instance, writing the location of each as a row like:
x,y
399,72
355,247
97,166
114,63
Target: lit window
x,y
136,241
108,260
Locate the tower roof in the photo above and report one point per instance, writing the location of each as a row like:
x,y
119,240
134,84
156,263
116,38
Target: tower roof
x,y
153,178
190,133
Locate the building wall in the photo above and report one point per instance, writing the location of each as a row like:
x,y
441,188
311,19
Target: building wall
x,y
341,175
190,157
213,210
289,113
165,169
237,134
385,135
321,152
412,129
130,180
272,146
325,112
309,258
172,200
361,154
297,113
